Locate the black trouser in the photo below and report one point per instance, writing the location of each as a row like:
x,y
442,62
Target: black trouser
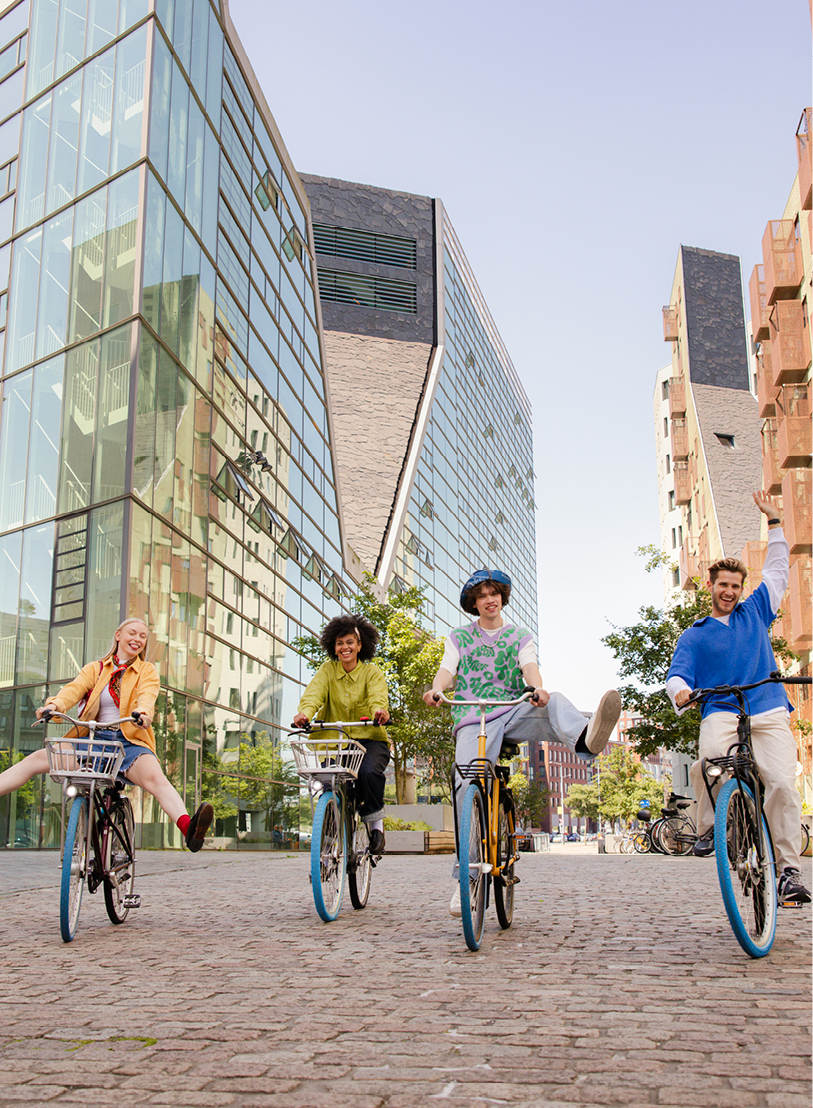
x,y
370,783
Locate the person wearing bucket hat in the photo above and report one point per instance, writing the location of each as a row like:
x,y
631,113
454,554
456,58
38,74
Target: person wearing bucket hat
x,y
494,657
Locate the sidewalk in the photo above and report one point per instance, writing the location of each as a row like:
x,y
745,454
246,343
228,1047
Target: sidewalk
x,y
620,984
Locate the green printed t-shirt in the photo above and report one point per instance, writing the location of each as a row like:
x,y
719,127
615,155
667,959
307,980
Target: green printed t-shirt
x,y
488,667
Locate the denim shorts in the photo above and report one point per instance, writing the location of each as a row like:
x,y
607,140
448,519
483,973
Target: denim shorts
x,y
132,751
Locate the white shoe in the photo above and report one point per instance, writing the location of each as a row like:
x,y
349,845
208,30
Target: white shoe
x,y
603,723
454,904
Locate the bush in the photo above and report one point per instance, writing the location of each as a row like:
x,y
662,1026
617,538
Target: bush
x,y
391,824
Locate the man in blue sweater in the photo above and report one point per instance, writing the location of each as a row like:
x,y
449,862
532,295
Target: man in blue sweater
x,y
732,646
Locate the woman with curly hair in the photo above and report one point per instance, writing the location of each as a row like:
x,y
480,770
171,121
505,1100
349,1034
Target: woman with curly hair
x,y
351,686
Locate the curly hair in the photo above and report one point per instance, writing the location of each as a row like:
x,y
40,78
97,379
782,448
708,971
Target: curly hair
x,y
348,625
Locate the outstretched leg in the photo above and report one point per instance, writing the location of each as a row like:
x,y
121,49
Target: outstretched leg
x,y
21,772
146,772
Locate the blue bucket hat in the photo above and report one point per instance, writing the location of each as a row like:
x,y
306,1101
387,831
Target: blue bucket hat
x,y
477,578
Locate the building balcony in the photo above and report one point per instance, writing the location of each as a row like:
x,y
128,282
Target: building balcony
x,y
759,303
683,482
689,566
790,342
798,604
803,154
797,510
771,472
670,324
753,554
680,440
782,255
677,397
793,441
767,391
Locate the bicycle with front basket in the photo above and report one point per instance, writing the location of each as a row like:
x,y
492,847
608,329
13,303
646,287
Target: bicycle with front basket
x,y
98,846
330,766
485,830
746,864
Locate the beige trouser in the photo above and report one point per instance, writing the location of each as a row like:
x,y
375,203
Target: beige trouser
x,y
775,751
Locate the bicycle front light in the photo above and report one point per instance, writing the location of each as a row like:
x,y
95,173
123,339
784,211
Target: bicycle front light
x,y
714,771
71,791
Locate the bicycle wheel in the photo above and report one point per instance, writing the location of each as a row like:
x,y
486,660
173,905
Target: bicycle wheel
x,y
655,835
675,836
328,856
506,848
805,839
641,843
360,866
118,857
748,887
473,880
74,868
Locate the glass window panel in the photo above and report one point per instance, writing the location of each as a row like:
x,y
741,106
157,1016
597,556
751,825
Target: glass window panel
x,y
70,40
140,545
11,90
10,550
166,416
173,267
211,181
96,125
188,325
87,266
214,69
78,419
206,323
120,257
14,23
56,266
67,650
6,218
128,106
10,138
103,598
35,603
16,414
101,27
144,435
184,449
31,185
43,453
159,105
159,599
200,41
112,413
178,126
153,252
42,47
165,10
182,33
130,11
194,165
23,305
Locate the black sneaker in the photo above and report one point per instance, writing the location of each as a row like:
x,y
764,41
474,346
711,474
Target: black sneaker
x,y
790,888
198,826
378,843
704,844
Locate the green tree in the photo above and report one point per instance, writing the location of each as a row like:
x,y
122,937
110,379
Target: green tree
x,y
409,656
583,800
623,782
644,651
268,783
530,800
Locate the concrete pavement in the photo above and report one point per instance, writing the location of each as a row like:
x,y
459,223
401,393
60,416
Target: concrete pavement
x,y
620,983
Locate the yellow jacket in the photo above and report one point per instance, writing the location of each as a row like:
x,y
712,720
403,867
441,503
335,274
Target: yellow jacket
x,y
334,695
139,690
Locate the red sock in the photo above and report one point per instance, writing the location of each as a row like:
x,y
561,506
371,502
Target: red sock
x,y
183,823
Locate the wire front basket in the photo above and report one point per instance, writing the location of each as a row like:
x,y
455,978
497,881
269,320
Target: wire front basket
x,y
327,759
84,760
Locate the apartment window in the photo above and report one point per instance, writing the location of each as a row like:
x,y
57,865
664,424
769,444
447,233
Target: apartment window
x,y
668,464
674,538
671,500
665,427
725,440
665,389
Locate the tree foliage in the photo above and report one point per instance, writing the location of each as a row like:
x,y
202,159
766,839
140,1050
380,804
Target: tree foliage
x,y
409,656
644,651
530,800
619,786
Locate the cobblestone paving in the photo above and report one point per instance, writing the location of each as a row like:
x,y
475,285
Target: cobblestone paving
x,y
619,984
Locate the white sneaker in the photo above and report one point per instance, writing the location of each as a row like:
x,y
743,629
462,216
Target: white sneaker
x,y
602,725
454,904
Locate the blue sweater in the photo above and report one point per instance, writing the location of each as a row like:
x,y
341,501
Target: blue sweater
x,y
712,653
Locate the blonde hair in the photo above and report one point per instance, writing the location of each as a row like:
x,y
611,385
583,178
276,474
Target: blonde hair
x,y
142,654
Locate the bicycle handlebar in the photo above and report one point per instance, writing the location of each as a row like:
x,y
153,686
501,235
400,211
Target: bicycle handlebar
x,y
337,725
776,678
91,724
527,694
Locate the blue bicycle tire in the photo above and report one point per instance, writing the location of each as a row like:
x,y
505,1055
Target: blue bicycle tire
x,y
754,927
472,851
74,869
328,856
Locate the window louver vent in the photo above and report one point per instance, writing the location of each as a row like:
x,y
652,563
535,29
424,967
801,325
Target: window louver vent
x,y
364,246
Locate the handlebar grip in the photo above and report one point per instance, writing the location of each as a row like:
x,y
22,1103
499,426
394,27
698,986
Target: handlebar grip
x,y
436,697
797,680
46,715
137,717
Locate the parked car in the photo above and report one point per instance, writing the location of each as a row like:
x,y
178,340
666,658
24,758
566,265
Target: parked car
x,y
572,837
556,837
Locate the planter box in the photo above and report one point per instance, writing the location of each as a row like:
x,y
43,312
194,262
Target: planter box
x,y
420,842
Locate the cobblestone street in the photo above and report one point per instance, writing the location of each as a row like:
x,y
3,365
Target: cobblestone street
x,y
620,983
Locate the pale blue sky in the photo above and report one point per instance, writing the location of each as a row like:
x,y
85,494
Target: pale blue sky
x,y
575,147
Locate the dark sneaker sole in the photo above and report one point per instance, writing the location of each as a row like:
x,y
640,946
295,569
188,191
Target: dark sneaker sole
x,y
201,822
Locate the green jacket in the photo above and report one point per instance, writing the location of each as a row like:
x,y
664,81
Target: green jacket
x,y
334,695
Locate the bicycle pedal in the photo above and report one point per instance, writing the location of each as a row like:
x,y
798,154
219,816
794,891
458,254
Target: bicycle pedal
x,y
791,904
131,900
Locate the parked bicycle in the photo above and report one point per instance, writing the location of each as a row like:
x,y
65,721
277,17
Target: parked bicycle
x,y
675,833
485,830
98,846
330,766
746,865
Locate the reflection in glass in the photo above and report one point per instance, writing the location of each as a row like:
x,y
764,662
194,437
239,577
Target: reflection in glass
x,y
78,418
113,412
42,47
35,603
10,552
97,120
15,421
159,104
87,266
176,165
70,43
128,109
56,265
101,24
31,184
103,600
43,453
122,239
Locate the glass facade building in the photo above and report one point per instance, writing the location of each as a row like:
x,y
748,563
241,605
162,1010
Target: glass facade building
x,y
165,442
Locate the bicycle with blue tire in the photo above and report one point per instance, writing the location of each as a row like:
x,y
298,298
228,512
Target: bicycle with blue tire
x,y
330,765
746,863
485,831
98,846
